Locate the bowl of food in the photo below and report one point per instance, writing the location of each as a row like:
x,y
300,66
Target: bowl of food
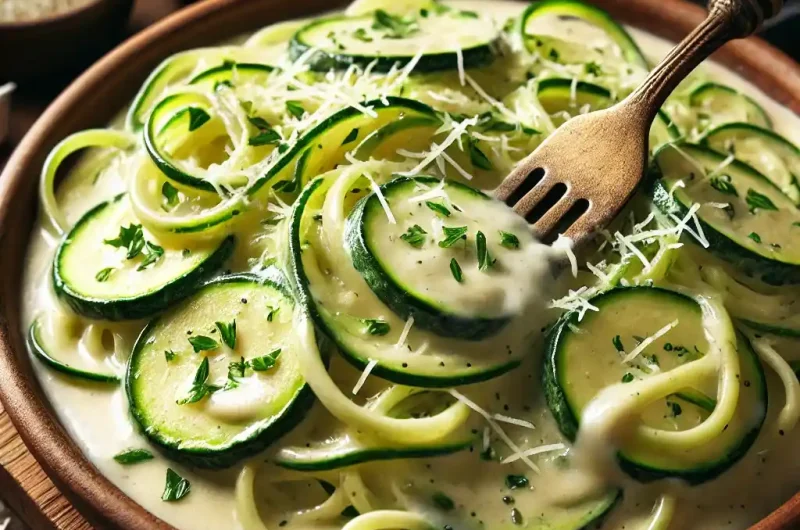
x,y
273,290
43,38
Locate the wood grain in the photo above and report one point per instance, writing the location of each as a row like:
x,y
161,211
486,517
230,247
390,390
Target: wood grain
x,y
27,490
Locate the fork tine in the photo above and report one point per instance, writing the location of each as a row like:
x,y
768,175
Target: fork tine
x,y
548,222
528,202
586,226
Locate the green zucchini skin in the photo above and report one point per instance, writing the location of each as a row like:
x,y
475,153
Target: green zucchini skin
x,y
593,15
758,114
325,60
318,131
39,350
135,307
303,293
289,417
392,293
568,423
752,264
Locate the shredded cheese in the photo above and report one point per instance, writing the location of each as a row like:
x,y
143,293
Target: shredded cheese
x,y
404,334
513,421
534,451
363,379
564,243
381,198
648,341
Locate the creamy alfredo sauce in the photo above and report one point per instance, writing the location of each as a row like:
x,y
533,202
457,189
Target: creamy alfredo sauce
x,y
98,417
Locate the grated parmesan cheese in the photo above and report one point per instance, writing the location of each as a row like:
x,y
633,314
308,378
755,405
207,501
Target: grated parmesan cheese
x,y
363,379
535,451
404,334
648,341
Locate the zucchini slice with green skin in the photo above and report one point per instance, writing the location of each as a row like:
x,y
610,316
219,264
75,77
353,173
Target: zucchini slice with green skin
x,y
717,104
580,364
558,95
328,142
249,395
341,448
97,279
385,41
231,73
758,226
766,151
46,354
368,334
398,260
588,13
663,131
405,133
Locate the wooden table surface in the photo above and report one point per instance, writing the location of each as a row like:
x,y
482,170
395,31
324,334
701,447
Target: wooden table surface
x,y
24,486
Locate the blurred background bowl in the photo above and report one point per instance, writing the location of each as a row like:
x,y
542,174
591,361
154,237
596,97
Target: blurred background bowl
x,y
60,44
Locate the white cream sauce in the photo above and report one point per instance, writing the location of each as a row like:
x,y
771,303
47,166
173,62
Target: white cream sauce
x,y
97,417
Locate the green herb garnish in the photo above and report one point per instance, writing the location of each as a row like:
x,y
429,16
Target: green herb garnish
x,y
197,117
627,378
755,237
452,234
757,201
592,68
414,236
509,240
295,109
362,35
455,268
130,238
203,343
170,194
176,487
132,456
375,327
265,362
617,342
484,258
103,274
516,481
478,157
169,355
393,26
228,333
272,312
438,208
724,185
200,387
152,253
351,137
676,408
442,501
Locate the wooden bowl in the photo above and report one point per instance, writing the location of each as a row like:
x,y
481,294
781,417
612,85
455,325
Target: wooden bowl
x,y
60,44
109,85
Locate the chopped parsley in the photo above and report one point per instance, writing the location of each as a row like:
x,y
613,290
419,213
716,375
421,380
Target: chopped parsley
x,y
452,234
130,238
455,269
516,481
133,456
627,378
478,157
176,487
266,134
265,362
724,185
228,333
169,355
235,371
617,342
200,387
197,117
295,109
170,194
202,343
375,326
438,208
675,408
394,27
509,240
362,35
484,258
103,274
755,237
272,312
152,253
414,236
757,201
592,68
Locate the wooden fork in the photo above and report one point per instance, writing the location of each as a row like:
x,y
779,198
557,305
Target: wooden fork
x,y
582,175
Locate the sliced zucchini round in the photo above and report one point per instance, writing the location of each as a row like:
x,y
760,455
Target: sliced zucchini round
x,y
767,152
231,74
716,104
746,218
369,334
332,448
587,13
324,146
107,267
48,355
586,356
388,40
383,143
216,379
565,98
663,131
398,258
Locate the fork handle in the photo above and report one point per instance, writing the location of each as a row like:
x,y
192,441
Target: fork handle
x,y
726,20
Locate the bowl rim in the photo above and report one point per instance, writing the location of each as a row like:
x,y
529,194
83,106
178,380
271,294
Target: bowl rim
x,y
77,478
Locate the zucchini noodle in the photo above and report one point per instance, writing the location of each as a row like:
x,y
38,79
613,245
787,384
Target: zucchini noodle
x,y
69,145
787,419
663,512
388,520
